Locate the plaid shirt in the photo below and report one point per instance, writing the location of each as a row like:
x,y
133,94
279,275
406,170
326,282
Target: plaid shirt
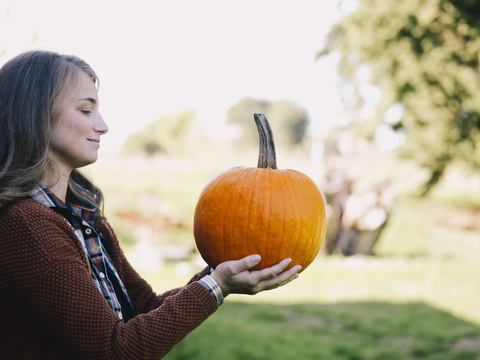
x,y
101,267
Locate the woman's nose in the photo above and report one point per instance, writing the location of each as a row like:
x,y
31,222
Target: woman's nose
x,y
100,125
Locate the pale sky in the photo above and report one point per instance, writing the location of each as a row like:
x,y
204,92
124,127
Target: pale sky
x,y
159,57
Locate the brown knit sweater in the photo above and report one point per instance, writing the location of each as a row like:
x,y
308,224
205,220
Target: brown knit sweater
x,y
51,309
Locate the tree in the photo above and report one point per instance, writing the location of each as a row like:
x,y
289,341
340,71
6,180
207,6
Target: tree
x,y
241,114
423,55
174,134
289,121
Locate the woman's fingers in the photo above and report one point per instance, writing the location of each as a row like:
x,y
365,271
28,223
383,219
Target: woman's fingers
x,y
274,276
235,276
271,272
246,263
281,279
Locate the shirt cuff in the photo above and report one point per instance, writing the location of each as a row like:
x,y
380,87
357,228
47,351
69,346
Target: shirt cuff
x,y
212,286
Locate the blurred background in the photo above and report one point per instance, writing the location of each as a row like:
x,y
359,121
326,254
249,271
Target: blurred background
x,y
377,101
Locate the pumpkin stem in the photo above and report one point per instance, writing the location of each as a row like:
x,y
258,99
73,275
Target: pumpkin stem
x,y
267,158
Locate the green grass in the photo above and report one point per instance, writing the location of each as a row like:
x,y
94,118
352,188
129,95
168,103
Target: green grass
x,y
371,330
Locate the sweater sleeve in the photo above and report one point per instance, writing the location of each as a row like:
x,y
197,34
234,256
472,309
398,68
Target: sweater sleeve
x,y
143,298
46,272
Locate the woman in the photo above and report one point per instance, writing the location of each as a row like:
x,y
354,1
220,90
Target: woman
x,y
66,288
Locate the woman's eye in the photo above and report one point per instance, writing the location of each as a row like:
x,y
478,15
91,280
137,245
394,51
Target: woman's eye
x,y
86,112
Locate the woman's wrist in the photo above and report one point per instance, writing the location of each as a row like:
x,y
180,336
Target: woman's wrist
x,y
213,287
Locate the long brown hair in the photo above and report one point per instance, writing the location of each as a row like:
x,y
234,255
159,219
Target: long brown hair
x,y
34,87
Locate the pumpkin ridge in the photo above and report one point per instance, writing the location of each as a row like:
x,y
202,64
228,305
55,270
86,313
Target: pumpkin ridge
x,y
252,196
280,249
305,183
270,197
298,216
311,248
314,246
284,206
302,184
215,250
198,225
268,173
226,226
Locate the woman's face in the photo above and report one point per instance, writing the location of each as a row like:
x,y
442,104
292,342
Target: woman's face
x,y
76,134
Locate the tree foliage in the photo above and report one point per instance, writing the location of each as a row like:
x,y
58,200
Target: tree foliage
x,y
424,56
173,134
288,120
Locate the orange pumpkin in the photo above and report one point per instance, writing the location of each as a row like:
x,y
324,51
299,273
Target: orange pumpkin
x,y
263,210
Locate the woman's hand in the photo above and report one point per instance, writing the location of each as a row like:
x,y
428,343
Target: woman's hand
x,y
234,277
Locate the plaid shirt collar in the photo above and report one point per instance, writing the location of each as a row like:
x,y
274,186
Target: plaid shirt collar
x,y
43,195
